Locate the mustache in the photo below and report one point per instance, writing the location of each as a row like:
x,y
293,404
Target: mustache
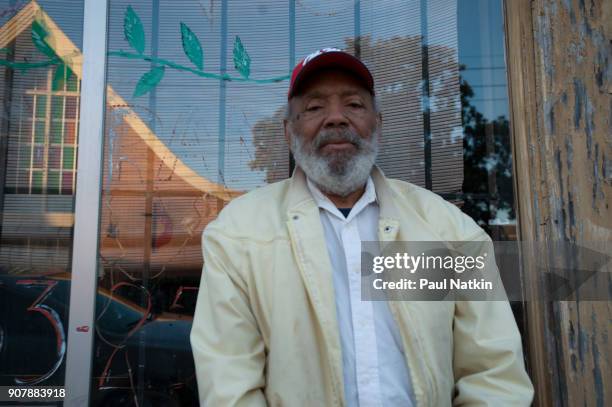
x,y
337,136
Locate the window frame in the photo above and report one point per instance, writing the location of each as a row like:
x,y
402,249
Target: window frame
x,y
83,286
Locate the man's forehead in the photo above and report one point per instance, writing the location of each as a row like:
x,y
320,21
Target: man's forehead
x,y
323,82
322,92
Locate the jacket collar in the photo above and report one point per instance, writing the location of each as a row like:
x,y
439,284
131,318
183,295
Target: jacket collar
x,y
299,197
389,221
323,202
299,193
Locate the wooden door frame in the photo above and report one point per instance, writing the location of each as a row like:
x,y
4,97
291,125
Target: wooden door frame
x,y
523,104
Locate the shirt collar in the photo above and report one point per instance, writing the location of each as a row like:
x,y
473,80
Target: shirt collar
x,y
323,202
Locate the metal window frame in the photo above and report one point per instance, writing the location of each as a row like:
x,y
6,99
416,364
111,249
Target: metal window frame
x,y
89,176
87,205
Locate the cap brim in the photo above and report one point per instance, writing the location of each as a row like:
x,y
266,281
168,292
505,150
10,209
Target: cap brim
x,y
339,60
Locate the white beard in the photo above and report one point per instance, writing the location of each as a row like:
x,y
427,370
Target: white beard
x,y
338,173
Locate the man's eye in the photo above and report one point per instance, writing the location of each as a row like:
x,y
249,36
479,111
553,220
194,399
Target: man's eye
x,y
313,108
355,105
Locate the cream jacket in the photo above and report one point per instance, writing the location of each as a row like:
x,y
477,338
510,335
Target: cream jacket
x,y
265,331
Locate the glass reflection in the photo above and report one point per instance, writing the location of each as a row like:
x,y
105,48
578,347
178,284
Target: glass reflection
x,y
40,70
194,112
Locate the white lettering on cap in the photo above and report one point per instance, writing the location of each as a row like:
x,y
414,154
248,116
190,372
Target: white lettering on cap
x,y
317,53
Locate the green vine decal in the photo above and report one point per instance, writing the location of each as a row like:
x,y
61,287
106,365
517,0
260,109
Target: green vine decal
x,y
61,76
38,38
39,34
149,80
192,47
134,34
133,30
242,61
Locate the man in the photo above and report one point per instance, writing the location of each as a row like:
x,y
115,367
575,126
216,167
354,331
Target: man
x,y
280,320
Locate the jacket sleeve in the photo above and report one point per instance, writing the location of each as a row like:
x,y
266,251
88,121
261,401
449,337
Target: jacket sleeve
x,y
227,346
488,358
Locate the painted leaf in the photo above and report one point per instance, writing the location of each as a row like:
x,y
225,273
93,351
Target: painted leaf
x,y
192,46
148,81
133,30
67,62
242,60
62,76
38,38
59,77
69,73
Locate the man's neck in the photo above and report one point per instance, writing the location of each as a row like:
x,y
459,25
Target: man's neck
x,y
346,201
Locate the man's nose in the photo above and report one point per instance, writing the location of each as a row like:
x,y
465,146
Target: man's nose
x,y
336,115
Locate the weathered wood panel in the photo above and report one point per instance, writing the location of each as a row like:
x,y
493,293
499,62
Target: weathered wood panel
x,y
559,61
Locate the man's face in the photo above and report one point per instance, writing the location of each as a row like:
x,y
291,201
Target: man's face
x,y
333,131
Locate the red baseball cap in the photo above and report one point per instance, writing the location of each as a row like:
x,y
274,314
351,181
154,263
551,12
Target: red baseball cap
x,y
330,58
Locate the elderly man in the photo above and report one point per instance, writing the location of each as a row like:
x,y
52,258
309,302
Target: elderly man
x,y
280,320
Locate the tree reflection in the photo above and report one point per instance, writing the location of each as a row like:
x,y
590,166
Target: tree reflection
x,y
487,169
471,159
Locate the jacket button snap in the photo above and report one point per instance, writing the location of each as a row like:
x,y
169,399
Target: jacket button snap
x,y
295,217
387,228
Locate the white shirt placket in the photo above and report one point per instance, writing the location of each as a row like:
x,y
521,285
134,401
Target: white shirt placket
x,y
366,354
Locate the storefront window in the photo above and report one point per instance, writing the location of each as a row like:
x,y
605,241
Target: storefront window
x,y
193,118
40,71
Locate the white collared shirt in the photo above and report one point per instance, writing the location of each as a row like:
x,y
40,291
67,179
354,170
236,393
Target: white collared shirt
x,y
373,362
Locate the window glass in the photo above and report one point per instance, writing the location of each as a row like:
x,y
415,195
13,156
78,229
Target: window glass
x,y
195,98
40,43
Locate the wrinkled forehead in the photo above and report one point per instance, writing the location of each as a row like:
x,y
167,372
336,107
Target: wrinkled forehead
x,y
324,80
